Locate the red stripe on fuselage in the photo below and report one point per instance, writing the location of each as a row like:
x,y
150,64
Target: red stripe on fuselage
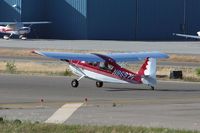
x,y
120,70
5,30
8,30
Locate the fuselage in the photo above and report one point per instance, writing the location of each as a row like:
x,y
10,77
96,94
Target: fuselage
x,y
4,29
15,30
104,71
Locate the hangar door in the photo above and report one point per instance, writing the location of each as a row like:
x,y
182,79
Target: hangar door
x,y
111,19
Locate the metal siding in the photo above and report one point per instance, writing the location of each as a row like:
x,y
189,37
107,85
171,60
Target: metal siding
x,y
69,19
14,2
111,19
106,19
159,19
35,10
8,12
79,5
192,16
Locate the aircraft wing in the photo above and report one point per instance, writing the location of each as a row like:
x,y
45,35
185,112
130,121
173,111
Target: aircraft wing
x,y
31,23
70,56
92,57
187,36
7,23
41,22
136,56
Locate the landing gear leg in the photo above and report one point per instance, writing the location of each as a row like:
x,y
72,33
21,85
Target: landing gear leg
x,y
7,37
10,36
75,82
22,37
99,84
152,88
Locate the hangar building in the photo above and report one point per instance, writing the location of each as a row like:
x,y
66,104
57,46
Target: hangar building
x,y
106,19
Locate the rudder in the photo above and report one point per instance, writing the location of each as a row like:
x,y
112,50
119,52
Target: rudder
x,y
148,72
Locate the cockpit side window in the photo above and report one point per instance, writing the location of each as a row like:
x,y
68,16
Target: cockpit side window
x,y
110,67
106,66
93,63
102,65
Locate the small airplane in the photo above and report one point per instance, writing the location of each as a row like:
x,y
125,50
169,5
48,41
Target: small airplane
x,y
188,36
104,68
17,28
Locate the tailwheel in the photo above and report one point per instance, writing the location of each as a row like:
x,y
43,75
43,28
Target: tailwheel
x,y
152,87
74,83
99,84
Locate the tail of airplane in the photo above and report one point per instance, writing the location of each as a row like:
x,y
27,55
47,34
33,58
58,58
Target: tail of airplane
x,y
198,33
148,72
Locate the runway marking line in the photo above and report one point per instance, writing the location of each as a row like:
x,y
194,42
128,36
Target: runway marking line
x,y
63,113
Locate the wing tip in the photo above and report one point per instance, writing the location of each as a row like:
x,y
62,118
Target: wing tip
x,y
33,52
164,55
37,52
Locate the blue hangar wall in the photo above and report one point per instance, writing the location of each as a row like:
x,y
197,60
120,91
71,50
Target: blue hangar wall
x,y
106,19
8,12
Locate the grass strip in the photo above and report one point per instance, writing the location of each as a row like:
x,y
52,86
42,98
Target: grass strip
x,y
198,71
26,127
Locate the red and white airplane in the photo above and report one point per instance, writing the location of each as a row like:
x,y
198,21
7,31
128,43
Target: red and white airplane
x,y
104,67
17,28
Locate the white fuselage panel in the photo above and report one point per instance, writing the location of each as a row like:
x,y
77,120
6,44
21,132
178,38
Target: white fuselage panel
x,y
94,75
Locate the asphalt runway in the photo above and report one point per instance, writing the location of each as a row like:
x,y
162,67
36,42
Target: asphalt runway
x,y
134,46
172,104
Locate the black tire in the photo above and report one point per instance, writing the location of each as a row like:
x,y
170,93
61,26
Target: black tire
x,y
99,84
74,83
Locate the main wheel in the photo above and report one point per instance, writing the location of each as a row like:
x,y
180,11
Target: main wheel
x,y
24,38
74,83
6,37
99,84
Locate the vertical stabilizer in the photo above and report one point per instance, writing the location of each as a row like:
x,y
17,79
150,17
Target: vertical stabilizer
x,y
148,72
